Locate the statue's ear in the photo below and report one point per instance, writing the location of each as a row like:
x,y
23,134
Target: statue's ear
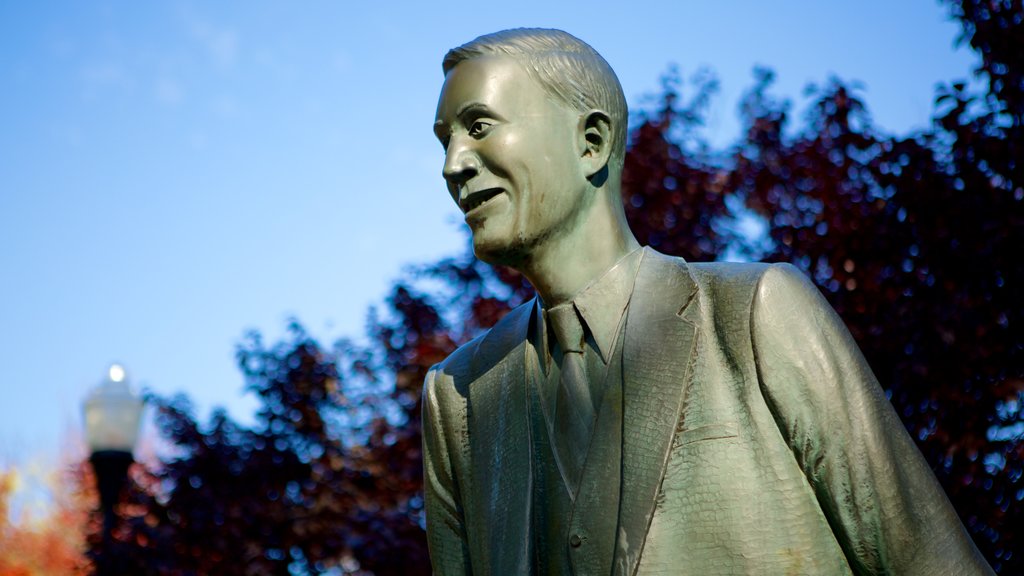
x,y
596,133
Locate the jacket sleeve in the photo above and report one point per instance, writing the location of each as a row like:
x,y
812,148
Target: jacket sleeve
x,y
446,529
881,499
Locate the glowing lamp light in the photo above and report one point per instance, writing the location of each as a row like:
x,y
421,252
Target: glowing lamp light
x,y
116,373
112,412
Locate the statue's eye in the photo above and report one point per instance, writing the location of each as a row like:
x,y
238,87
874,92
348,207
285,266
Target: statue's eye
x,y
478,128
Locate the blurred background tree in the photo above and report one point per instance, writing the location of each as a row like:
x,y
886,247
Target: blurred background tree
x,y
915,240
52,542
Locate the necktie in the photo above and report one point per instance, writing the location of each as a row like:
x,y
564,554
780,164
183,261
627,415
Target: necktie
x,y
574,408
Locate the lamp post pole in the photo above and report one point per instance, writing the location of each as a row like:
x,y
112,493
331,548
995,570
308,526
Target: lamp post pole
x,y
112,412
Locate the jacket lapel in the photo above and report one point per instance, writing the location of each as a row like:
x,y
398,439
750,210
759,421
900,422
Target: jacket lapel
x,y
499,436
657,357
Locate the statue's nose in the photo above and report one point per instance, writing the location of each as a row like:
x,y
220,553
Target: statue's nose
x,y
460,164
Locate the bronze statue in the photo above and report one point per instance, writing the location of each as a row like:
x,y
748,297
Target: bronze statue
x,y
643,414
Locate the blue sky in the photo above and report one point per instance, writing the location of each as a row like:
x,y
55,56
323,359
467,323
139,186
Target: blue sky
x,y
173,174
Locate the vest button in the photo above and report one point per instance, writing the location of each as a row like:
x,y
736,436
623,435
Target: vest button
x,y
575,541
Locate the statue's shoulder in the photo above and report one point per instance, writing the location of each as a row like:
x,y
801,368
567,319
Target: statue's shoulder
x,y
729,288
736,274
490,347
743,286
707,274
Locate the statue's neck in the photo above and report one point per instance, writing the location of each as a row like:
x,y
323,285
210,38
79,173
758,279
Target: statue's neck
x,y
561,268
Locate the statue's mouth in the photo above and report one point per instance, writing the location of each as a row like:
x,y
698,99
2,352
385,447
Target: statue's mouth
x,y
476,199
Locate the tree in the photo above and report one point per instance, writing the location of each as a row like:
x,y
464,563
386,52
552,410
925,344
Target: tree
x,y
915,240
327,479
52,543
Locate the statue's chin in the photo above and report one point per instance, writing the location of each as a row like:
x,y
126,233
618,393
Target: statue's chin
x,y
491,254
511,254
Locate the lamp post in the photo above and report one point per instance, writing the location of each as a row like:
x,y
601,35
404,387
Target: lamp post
x,y
112,412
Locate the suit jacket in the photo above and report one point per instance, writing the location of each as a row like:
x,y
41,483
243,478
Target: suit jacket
x,y
755,440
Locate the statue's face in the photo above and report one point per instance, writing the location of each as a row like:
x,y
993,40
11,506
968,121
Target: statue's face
x,y
512,160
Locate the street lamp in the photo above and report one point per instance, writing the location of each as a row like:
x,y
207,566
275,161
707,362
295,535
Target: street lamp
x,y
112,412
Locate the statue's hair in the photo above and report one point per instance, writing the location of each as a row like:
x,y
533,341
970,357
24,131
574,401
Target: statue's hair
x,y
565,66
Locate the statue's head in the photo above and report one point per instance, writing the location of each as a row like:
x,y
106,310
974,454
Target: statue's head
x,y
534,124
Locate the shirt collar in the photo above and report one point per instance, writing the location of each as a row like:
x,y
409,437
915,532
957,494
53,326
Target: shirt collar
x,y
602,303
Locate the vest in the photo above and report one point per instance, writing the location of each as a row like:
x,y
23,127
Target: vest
x,y
565,543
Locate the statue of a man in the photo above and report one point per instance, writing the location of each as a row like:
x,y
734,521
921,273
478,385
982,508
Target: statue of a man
x,y
643,414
